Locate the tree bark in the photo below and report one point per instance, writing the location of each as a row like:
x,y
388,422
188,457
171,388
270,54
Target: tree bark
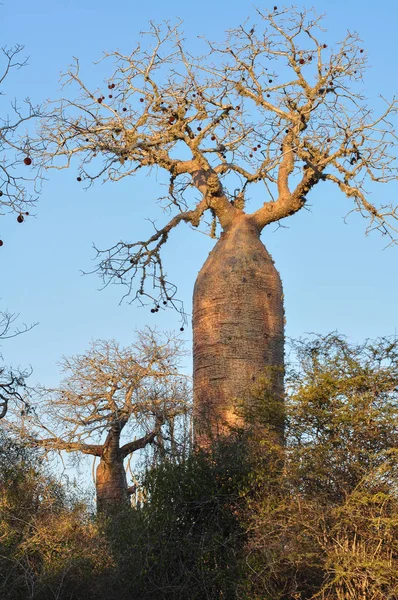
x,y
238,330
111,482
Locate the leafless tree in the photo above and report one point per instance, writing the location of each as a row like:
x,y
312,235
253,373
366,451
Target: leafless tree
x,y
113,402
272,106
18,191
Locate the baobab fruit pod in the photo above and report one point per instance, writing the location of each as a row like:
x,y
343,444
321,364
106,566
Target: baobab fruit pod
x,y
27,161
20,218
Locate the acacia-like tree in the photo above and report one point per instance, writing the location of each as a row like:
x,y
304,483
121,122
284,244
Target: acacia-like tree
x,y
273,106
113,402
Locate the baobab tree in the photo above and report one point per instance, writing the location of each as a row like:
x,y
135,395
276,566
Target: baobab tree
x,y
272,106
113,402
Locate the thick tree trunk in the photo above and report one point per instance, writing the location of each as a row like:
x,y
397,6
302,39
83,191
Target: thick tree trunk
x,y
111,482
111,486
238,329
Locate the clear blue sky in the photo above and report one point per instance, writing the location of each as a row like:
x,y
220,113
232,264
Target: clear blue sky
x,y
334,277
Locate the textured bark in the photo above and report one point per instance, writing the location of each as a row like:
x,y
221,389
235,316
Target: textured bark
x,y
111,486
238,329
111,482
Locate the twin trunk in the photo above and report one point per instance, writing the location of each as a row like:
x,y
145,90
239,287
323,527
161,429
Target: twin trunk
x,y
238,330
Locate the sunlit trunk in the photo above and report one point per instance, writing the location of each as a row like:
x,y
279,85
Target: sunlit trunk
x,y
111,482
238,330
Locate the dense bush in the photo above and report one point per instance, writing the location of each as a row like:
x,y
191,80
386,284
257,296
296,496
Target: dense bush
x,y
310,515
186,540
50,547
327,526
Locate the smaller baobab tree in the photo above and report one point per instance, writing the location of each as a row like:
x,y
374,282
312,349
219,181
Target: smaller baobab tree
x,y
113,402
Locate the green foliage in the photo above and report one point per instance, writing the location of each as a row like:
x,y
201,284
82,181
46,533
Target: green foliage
x,y
186,541
49,547
311,514
342,411
326,526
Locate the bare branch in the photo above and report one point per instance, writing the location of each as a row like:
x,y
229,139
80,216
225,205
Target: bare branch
x,y
18,192
7,319
12,382
107,393
131,447
57,445
270,105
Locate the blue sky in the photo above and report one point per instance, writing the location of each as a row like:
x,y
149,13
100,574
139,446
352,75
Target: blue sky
x,y
334,276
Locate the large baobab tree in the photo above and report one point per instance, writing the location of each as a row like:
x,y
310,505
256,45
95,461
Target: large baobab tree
x,y
113,402
272,106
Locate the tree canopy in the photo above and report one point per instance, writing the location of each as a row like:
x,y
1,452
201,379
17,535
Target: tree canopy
x,y
272,105
139,389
